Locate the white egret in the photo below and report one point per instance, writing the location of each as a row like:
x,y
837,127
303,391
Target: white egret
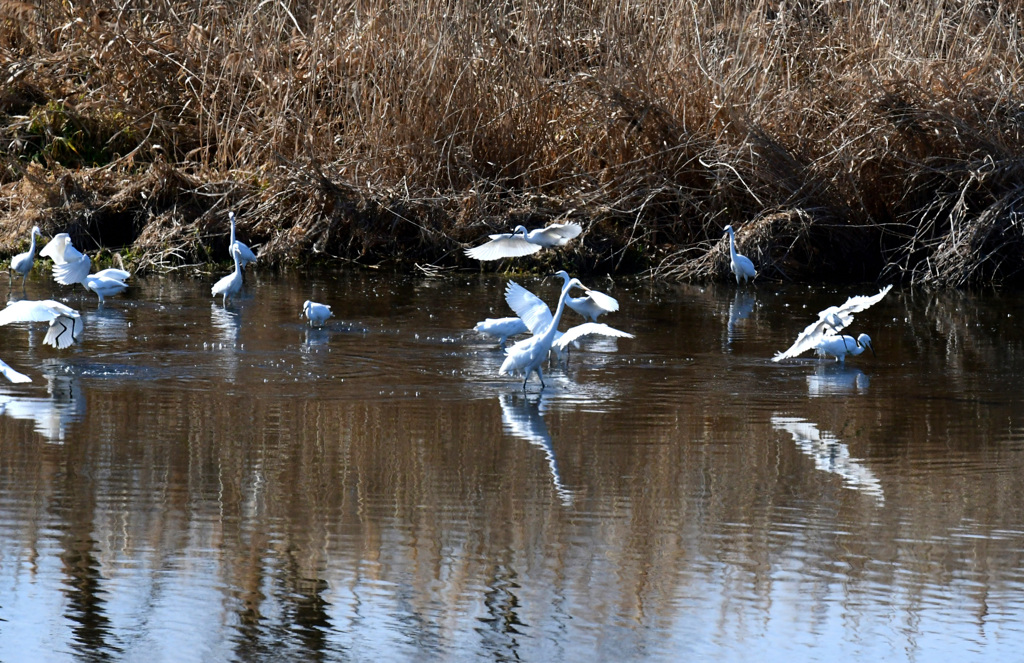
x,y
13,375
232,283
572,334
22,263
741,265
521,242
593,304
526,356
317,314
65,322
502,328
245,254
830,321
71,266
838,346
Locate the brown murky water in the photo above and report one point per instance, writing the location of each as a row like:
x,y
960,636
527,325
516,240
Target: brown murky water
x,y
194,483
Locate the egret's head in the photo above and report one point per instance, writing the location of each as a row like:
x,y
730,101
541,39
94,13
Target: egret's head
x,y
727,229
306,305
35,230
865,342
520,229
562,274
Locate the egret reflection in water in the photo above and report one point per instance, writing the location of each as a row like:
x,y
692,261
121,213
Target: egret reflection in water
x,y
740,309
830,455
832,378
522,417
51,414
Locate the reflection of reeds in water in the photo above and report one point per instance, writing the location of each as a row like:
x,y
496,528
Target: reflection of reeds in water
x,y
831,455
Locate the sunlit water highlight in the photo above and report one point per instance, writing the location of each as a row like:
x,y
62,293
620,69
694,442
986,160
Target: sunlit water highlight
x,y
198,483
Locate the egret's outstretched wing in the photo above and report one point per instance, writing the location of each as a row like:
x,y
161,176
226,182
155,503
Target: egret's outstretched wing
x,y
502,326
26,310
603,301
528,306
503,246
586,329
831,320
74,271
557,234
13,375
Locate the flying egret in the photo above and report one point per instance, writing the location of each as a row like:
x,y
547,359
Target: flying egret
x,y
65,322
521,242
527,355
232,283
13,375
593,304
22,263
317,314
741,265
830,321
244,252
502,328
838,346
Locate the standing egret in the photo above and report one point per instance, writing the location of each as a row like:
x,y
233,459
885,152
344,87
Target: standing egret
x,y
830,321
521,242
502,328
244,252
13,375
22,263
741,265
317,314
838,346
593,304
65,322
232,283
527,355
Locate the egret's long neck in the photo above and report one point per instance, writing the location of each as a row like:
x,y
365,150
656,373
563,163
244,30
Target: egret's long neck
x,y
232,229
32,245
549,334
732,243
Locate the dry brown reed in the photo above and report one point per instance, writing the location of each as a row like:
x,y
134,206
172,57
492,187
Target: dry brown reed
x,y
845,140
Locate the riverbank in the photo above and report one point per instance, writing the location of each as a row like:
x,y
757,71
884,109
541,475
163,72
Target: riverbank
x,y
844,141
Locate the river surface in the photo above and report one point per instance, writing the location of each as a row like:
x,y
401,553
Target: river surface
x,y
195,483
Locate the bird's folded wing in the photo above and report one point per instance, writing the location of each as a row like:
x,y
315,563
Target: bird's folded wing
x,y
603,301
112,273
63,332
586,329
528,306
503,247
564,230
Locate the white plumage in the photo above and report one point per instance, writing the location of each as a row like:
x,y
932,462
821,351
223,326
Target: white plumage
x,y
245,254
830,321
232,283
317,314
741,265
593,304
22,263
13,375
502,328
521,242
838,346
65,322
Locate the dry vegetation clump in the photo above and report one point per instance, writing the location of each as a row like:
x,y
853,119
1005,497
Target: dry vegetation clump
x,y
844,140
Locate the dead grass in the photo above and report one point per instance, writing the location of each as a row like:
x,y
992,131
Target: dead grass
x,y
845,140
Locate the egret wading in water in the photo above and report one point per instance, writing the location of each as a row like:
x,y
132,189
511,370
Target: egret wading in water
x,y
317,314
521,242
537,316
838,346
65,322
71,266
526,356
593,304
741,265
245,254
232,283
22,263
829,323
502,328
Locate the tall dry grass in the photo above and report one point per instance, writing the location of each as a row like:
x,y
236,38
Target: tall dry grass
x,y
845,139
